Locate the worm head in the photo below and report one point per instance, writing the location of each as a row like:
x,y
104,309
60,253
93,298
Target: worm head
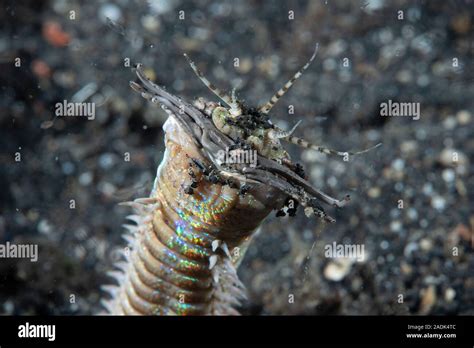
x,y
267,145
223,120
248,127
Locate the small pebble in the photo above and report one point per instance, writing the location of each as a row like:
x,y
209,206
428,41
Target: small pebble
x,y
409,146
404,76
450,123
399,186
329,64
395,213
65,79
150,23
450,157
67,168
245,66
336,48
85,178
461,23
423,80
44,227
463,117
80,252
431,280
449,294
421,134
427,189
428,299
438,203
395,226
398,164
357,284
410,248
161,7
337,270
373,135
199,33
385,34
374,192
426,244
332,181
107,188
448,175
107,160
406,268
110,11
412,214
8,307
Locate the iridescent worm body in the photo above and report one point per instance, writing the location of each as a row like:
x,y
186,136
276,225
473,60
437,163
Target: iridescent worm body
x,y
189,235
174,240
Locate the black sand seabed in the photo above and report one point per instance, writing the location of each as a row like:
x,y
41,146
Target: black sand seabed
x,y
426,58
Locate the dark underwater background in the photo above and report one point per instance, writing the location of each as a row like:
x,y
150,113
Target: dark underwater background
x,y
369,53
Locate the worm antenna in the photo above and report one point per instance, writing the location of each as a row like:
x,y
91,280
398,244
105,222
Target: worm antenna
x,y
278,133
303,143
281,92
234,105
234,97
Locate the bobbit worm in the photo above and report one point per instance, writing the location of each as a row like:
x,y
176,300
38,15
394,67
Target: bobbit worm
x,y
223,172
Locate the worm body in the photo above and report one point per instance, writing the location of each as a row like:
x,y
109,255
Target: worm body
x,y
184,246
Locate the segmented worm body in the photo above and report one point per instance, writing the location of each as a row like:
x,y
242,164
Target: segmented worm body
x,y
180,260
189,235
